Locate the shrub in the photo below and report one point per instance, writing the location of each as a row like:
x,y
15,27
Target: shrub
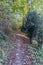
x,y
7,25
33,26
19,24
13,26
34,43
29,21
2,54
8,30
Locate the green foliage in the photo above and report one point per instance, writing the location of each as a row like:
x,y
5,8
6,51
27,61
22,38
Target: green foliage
x,y
19,24
33,27
13,26
2,54
36,5
8,30
29,20
5,41
7,25
35,43
5,47
11,15
9,7
11,12
3,36
37,55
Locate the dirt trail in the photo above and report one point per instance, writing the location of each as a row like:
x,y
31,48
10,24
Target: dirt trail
x,y
20,54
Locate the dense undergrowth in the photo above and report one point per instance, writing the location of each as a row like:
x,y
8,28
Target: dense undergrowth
x,y
5,47
37,55
13,16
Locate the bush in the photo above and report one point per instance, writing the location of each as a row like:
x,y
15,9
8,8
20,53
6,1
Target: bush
x,y
19,24
32,26
29,21
5,47
7,25
2,54
34,43
13,26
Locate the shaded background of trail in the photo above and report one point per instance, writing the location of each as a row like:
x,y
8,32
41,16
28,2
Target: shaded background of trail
x,y
21,54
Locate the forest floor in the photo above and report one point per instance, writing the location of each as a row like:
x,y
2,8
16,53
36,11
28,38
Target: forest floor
x,y
22,53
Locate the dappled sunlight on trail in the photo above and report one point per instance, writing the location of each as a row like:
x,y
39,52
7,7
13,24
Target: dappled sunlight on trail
x,y
21,35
